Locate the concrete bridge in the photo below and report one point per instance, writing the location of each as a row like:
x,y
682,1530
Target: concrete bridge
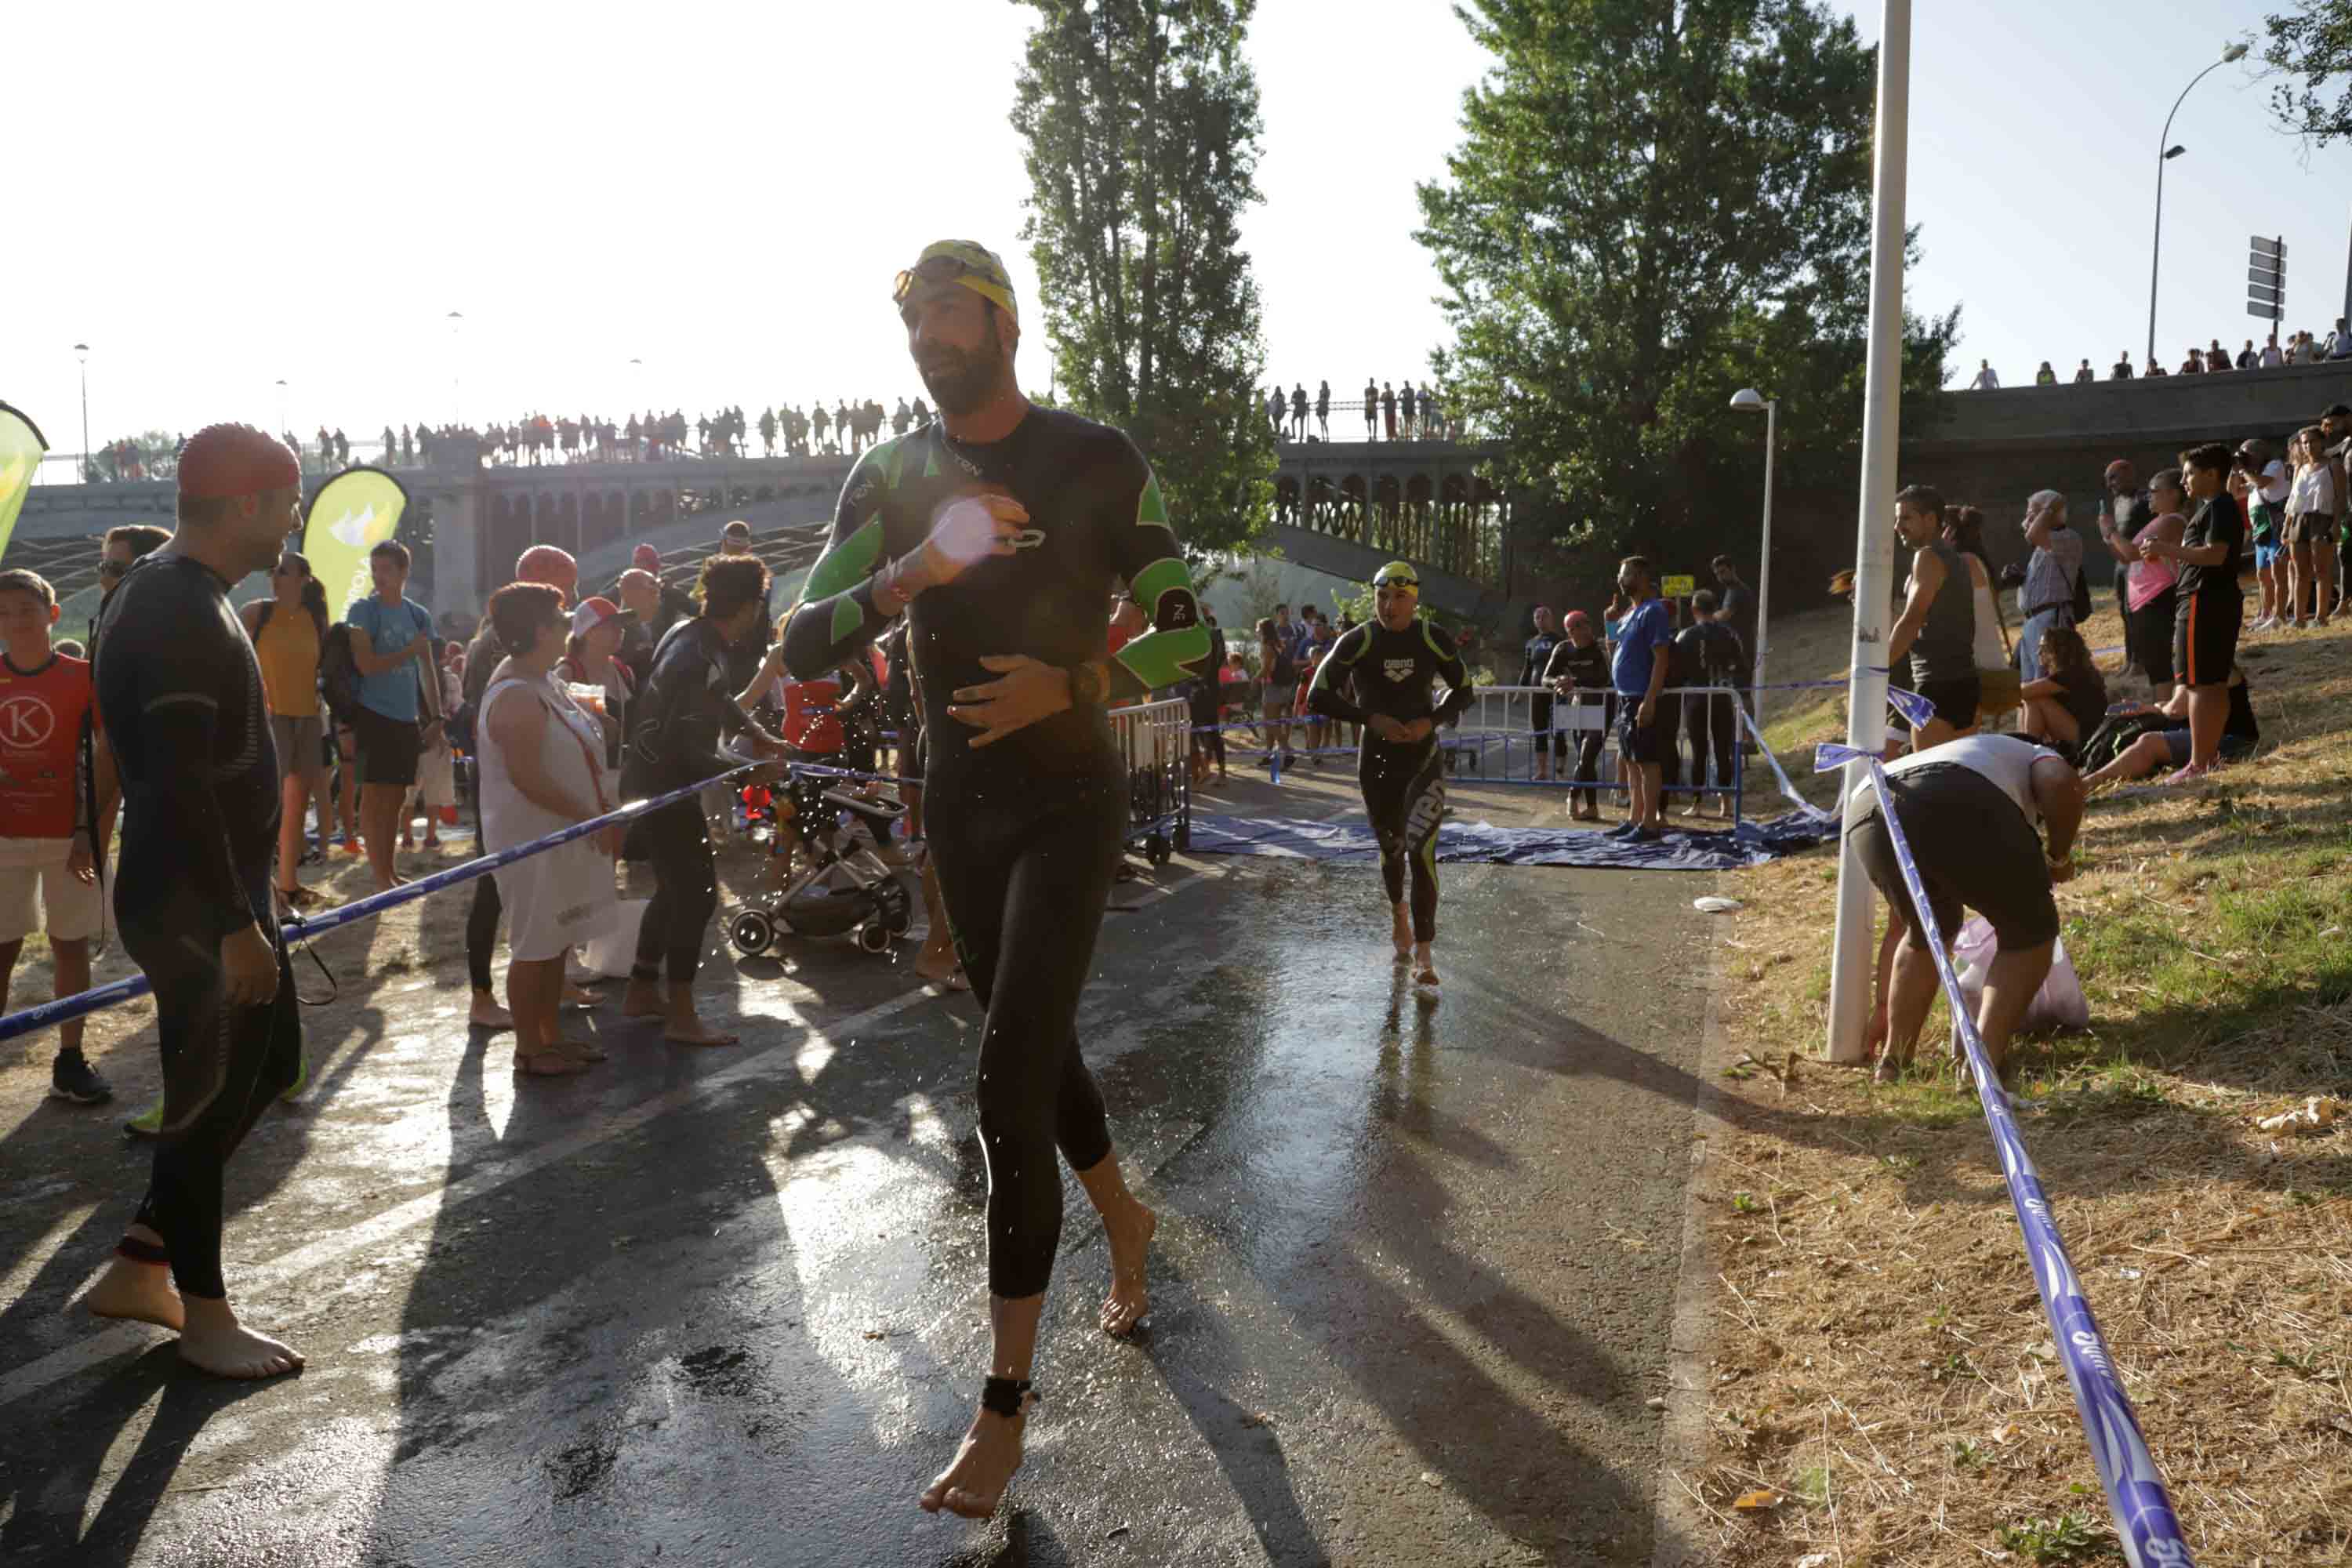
x,y
1339,508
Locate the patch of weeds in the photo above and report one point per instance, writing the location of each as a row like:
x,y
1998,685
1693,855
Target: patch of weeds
x,y
1966,1456
1902,1165
2067,1539
1745,1203
2307,1364
1812,1487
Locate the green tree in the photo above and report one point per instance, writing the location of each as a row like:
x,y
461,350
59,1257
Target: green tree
x,y
1141,124
1655,203
2311,45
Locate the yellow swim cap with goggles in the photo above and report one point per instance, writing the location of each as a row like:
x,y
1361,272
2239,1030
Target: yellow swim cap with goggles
x,y
1397,574
975,267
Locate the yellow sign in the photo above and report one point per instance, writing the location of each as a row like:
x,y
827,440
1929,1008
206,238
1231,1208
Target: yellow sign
x,y
1677,587
20,453
350,515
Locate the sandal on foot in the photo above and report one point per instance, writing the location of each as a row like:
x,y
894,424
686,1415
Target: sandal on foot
x,y
553,1062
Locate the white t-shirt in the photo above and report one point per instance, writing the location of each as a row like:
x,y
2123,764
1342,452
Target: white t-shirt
x,y
2275,482
2315,492
2005,760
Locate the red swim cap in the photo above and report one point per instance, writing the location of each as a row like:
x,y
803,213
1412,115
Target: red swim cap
x,y
549,564
235,460
646,558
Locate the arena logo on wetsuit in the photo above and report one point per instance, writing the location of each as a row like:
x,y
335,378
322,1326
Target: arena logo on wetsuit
x,y
1398,668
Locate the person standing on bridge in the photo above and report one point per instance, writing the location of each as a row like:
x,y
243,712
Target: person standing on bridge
x,y
1383,674
1298,412
1371,408
1405,412
1323,409
999,535
1389,410
180,699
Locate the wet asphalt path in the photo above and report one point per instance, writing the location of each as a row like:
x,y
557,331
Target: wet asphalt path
x,y
1410,1297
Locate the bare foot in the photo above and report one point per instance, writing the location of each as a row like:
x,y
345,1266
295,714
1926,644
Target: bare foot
x,y
644,999
1401,936
486,1014
1425,965
580,996
692,1031
974,1484
1130,1244
586,1051
140,1293
547,1061
942,970
216,1342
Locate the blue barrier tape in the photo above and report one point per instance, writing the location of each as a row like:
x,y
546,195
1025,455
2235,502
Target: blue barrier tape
x,y
301,928
2143,1513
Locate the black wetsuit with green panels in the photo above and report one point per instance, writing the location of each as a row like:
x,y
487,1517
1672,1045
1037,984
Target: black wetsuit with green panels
x,y
1026,832
1373,670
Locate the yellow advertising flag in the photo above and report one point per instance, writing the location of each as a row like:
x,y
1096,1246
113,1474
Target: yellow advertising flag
x,y
351,514
21,447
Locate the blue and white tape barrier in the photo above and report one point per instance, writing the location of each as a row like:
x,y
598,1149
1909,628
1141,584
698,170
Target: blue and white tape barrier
x,y
2144,1517
301,929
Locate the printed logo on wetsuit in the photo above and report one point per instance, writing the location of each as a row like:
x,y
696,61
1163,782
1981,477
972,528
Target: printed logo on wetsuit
x,y
25,721
1028,539
1398,668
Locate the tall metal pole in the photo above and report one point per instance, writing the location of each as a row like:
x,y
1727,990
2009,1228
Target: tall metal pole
x,y
2155,248
2348,286
1850,968
1764,576
81,354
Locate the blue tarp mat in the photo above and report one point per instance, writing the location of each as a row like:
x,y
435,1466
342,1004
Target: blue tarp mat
x,y
1480,843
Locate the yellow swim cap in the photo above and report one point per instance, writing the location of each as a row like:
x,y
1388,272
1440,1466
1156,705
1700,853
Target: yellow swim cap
x,y
975,265
1397,574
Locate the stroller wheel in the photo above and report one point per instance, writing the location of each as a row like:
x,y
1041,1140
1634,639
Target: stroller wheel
x,y
753,932
897,912
874,937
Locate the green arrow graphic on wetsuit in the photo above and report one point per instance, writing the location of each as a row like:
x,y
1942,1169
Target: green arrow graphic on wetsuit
x,y
842,568
1170,653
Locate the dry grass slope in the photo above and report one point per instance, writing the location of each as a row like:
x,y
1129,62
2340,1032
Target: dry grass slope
x,y
1886,1391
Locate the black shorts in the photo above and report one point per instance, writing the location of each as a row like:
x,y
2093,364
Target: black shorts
x,y
1956,700
2205,636
389,747
1974,849
1636,742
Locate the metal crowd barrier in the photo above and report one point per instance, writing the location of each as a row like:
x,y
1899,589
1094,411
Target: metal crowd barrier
x,y
2143,1513
1496,742
1155,738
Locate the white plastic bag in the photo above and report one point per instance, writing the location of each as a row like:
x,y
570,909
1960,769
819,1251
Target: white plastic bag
x,y
612,950
2059,1004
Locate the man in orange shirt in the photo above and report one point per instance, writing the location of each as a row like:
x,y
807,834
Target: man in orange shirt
x,y
48,872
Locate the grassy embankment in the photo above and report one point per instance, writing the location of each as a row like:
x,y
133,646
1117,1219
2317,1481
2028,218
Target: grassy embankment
x,y
1884,1386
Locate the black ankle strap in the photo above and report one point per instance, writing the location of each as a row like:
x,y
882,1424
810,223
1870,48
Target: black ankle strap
x,y
140,1251
1004,1395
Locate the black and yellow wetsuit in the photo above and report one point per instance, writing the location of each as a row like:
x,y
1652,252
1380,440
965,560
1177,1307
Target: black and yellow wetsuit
x,y
1373,670
1026,832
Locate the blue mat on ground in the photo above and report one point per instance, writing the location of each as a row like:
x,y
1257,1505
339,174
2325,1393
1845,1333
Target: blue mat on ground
x,y
1480,843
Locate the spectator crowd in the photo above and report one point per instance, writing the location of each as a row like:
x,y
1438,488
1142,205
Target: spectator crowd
x,y
1390,413
2300,348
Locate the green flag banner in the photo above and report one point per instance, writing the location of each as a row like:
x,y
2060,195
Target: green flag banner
x,y
21,447
351,514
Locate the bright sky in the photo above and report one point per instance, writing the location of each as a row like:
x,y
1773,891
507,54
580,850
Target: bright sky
x,y
725,195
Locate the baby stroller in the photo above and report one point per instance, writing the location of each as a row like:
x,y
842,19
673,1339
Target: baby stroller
x,y
842,884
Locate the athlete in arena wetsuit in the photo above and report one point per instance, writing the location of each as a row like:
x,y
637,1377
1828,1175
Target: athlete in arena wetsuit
x,y
1382,675
179,697
999,533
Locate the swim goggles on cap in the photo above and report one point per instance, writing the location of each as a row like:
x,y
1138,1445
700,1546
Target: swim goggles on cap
x,y
958,261
1397,574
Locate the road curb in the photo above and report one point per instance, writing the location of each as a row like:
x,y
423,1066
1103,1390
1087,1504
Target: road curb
x,y
1679,1523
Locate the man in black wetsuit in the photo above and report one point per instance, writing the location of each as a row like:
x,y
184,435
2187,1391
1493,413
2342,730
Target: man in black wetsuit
x,y
998,532
180,698
1549,742
1391,665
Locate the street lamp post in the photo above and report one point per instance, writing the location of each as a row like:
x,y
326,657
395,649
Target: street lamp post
x,y
1747,400
284,427
455,318
2165,152
81,354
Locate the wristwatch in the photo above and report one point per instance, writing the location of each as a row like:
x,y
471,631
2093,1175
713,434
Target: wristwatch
x,y
1088,686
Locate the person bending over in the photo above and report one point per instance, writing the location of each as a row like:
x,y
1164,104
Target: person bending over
x,y
181,700
1383,674
998,532
1976,813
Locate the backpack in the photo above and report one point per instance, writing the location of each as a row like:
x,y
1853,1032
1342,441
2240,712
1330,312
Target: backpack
x,y
2081,593
2109,741
339,674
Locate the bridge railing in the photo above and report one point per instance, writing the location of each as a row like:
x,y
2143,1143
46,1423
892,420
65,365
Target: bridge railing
x,y
1345,422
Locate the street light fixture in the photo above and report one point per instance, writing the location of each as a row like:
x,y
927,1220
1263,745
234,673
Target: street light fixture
x,y
2164,153
81,354
455,318
1747,400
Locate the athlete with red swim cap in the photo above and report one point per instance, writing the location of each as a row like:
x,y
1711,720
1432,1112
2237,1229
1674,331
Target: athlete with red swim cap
x,y
180,698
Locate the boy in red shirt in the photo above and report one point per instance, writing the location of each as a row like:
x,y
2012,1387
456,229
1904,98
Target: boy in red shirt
x,y
48,874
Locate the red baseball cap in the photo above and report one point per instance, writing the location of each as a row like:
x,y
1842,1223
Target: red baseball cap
x,y
235,460
593,612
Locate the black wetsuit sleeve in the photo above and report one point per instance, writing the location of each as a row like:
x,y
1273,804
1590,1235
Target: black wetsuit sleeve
x,y
1557,666
1456,676
176,736
835,615
1325,696
1144,553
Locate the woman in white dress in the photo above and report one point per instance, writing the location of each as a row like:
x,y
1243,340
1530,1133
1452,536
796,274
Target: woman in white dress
x,y
543,769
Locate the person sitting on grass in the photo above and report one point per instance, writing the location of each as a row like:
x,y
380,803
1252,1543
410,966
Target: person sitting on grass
x,y
2167,747
2067,702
